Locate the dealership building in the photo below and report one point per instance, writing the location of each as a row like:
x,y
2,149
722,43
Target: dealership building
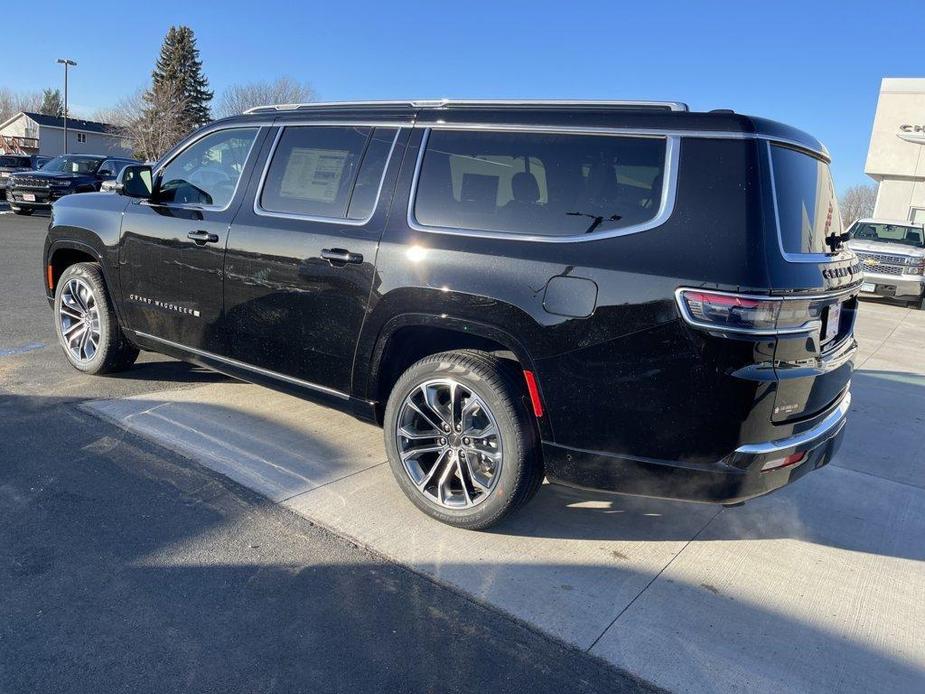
x,y
896,158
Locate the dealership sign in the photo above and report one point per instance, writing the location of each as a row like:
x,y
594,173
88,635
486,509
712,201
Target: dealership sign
x,y
912,133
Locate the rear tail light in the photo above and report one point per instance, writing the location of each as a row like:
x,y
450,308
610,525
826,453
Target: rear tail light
x,y
745,313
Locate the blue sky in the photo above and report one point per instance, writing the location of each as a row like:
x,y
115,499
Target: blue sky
x,y
813,64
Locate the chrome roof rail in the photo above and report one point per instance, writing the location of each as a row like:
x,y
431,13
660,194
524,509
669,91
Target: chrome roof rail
x,y
441,103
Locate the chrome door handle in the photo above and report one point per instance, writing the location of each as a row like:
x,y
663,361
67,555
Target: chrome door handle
x,y
340,256
202,237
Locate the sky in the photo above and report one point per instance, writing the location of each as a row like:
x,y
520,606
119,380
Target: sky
x,y
814,64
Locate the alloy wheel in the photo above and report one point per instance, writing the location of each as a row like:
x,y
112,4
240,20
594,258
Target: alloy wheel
x,y
449,443
79,319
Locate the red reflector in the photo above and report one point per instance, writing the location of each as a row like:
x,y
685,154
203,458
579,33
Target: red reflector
x,y
534,393
778,463
51,277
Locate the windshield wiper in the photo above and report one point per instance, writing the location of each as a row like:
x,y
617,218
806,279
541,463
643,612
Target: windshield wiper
x,y
598,219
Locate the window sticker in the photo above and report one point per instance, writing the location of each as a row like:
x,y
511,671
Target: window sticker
x,y
314,174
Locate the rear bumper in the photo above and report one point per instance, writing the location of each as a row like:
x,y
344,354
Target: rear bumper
x,y
899,286
738,477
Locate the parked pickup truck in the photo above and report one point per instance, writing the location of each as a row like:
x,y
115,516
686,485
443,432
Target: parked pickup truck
x,y
893,257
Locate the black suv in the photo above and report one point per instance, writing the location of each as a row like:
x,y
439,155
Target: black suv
x,y
69,173
624,296
10,164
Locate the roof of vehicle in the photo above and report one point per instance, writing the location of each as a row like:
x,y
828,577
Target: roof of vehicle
x,y
649,116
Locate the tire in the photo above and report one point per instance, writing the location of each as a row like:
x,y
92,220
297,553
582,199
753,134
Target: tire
x,y
487,477
81,296
24,211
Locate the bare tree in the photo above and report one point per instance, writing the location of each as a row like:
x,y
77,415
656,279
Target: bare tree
x,y
858,202
152,121
12,102
239,97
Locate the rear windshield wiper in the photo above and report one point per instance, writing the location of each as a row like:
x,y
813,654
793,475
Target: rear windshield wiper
x,y
598,219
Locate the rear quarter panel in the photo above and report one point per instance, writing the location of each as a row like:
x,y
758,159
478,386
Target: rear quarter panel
x,y
611,380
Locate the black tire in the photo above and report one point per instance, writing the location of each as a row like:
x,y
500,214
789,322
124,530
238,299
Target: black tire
x,y
24,211
113,352
500,386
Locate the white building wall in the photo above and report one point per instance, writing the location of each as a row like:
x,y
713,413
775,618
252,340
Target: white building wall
x,y
896,158
51,142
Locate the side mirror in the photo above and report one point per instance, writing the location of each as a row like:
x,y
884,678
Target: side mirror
x,y
135,181
106,173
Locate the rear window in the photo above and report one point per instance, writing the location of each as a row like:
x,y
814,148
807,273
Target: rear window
x,y
539,184
807,206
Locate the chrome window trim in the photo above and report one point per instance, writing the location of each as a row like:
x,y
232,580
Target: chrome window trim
x,y
791,257
248,367
666,200
833,419
156,173
690,320
262,212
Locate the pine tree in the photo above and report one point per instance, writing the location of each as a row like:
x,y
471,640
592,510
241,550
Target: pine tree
x,y
52,103
180,69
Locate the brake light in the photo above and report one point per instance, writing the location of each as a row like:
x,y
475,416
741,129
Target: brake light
x,y
744,313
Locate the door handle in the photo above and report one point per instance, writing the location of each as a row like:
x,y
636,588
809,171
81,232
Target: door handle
x,y
340,256
202,237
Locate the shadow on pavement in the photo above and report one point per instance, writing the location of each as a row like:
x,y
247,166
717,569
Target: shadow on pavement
x,y
124,569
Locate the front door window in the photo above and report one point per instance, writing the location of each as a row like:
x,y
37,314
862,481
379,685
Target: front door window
x,y
207,172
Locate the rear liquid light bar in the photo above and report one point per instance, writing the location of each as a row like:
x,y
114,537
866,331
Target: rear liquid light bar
x,y
745,313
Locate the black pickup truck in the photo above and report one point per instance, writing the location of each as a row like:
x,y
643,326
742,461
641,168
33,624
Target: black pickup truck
x,y
70,173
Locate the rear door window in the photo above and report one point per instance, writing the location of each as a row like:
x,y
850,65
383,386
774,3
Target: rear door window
x,y
539,184
314,170
807,207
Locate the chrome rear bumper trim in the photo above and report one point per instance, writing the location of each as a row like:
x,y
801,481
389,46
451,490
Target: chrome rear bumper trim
x,y
832,420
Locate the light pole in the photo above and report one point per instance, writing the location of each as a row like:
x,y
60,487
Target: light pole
x,y
66,62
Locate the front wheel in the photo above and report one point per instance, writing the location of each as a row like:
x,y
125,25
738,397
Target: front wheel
x,y
86,323
460,440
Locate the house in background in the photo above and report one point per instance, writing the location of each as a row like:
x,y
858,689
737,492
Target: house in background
x,y
36,133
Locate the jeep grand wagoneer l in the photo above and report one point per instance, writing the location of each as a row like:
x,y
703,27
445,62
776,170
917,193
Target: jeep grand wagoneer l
x,y
625,296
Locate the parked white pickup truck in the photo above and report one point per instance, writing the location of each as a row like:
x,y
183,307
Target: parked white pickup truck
x,y
893,257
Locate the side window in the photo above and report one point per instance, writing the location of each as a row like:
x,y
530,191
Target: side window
x,y
313,170
539,184
110,165
207,172
369,179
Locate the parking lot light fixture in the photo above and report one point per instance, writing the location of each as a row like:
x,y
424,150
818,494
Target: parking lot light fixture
x,y
66,62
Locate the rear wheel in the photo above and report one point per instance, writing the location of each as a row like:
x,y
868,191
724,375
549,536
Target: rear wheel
x,y
461,443
86,324
24,211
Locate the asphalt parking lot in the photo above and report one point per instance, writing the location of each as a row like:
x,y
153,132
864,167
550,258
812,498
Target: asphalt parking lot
x,y
819,587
